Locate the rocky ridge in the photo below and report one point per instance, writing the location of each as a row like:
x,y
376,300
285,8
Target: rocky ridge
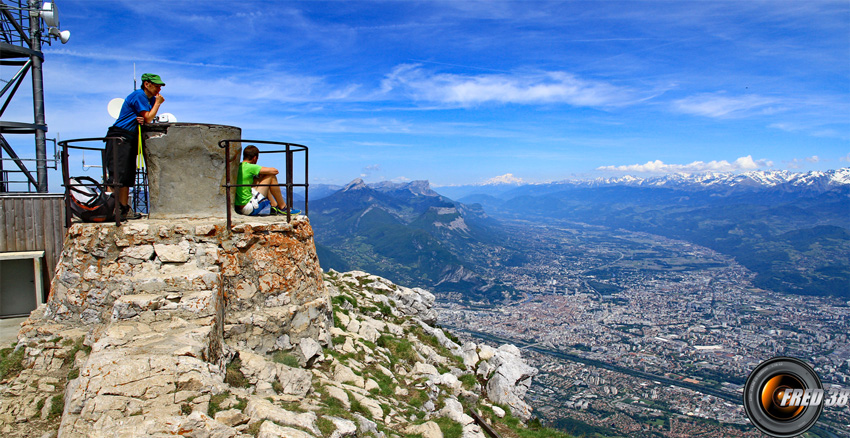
x,y
157,329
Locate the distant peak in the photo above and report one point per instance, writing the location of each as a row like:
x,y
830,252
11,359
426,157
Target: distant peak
x,y
357,184
420,186
507,178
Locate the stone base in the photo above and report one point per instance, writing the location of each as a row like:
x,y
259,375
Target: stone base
x,y
164,305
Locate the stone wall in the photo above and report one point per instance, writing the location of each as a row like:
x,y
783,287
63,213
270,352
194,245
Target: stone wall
x,y
265,273
164,305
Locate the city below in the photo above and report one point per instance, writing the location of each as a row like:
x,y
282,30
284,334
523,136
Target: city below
x,y
639,335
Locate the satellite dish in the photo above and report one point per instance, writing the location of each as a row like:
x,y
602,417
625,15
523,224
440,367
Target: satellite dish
x,y
50,14
166,118
114,107
63,35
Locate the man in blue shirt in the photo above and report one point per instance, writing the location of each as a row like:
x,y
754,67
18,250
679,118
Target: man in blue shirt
x,y
139,107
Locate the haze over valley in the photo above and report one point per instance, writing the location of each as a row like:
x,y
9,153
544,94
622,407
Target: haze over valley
x,y
683,284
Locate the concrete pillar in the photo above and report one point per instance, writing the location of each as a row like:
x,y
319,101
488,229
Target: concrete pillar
x,y
186,168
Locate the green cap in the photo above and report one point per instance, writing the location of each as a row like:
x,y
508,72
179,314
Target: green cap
x,y
150,77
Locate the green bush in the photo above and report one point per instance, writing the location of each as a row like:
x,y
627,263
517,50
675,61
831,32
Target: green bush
x,y
11,362
57,405
468,381
449,427
326,426
233,375
215,402
285,358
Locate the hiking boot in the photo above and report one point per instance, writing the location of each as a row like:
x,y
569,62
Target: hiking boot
x,y
279,212
128,214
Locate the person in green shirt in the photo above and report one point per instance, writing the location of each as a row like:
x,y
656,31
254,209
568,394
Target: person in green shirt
x,y
255,201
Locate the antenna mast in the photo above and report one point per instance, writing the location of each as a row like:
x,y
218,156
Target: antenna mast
x,y
22,32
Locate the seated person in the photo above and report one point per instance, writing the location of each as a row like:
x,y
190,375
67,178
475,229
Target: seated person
x,y
255,201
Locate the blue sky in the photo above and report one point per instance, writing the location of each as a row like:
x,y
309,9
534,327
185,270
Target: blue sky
x,y
459,92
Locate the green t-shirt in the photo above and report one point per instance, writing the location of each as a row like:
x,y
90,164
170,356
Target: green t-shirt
x,y
247,172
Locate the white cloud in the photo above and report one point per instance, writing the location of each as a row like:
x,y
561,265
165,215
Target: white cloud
x,y
845,158
507,178
533,88
799,163
658,166
721,106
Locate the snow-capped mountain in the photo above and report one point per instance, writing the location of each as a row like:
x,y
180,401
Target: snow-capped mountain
x,y
507,186
822,180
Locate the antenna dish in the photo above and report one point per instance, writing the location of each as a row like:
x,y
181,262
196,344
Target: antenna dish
x,y
114,107
63,35
50,14
166,118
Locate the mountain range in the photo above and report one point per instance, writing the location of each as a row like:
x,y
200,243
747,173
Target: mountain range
x,y
407,232
791,229
507,186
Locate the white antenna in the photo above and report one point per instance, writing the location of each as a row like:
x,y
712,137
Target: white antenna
x,y
86,168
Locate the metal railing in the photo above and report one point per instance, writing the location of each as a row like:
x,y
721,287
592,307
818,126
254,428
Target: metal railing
x,y
291,149
114,185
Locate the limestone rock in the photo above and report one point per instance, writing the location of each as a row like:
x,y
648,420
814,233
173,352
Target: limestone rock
x,y
469,354
510,380
340,395
416,302
172,253
271,430
344,428
486,352
454,411
309,352
231,417
293,381
429,429
499,412
198,425
424,369
343,374
260,409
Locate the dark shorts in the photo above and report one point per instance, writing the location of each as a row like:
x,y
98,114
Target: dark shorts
x,y
126,149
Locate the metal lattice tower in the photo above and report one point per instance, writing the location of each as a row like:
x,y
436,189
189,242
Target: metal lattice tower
x,y
22,25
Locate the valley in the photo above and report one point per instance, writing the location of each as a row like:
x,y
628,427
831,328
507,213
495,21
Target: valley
x,y
637,329
645,305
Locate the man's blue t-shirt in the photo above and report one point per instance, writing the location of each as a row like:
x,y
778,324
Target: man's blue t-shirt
x,y
134,104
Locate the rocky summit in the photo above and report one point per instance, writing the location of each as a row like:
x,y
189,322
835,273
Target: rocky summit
x,y
163,328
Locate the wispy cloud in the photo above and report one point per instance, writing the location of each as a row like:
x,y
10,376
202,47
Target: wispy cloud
x,y
798,163
658,166
125,57
528,88
719,105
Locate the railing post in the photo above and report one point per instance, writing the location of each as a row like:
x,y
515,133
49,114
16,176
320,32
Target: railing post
x,y
66,180
227,178
288,183
115,185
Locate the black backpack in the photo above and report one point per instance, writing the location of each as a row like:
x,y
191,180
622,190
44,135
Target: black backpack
x,y
89,201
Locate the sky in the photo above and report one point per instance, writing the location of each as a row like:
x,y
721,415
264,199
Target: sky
x,y
460,92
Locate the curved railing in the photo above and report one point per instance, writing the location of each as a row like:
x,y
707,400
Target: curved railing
x,y
290,150
65,145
